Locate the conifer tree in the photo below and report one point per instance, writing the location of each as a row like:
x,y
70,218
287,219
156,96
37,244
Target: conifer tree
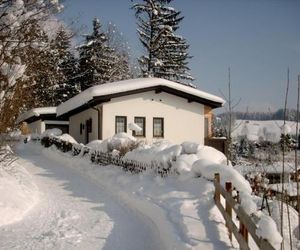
x,y
96,59
166,52
66,86
123,68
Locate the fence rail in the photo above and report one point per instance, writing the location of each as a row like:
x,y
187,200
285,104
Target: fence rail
x,y
246,226
102,158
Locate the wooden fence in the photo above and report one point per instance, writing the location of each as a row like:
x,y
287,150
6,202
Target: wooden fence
x,y
101,158
246,224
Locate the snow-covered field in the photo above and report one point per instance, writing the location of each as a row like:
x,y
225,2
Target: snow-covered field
x,y
262,130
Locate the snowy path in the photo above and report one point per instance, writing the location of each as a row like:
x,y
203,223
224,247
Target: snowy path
x,y
75,213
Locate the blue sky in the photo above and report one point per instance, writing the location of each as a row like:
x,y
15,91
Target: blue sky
x,y
258,39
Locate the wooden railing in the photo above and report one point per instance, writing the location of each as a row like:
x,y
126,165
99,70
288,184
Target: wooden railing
x,y
101,158
246,224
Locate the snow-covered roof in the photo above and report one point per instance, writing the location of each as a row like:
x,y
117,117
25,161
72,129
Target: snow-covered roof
x,y
36,112
133,85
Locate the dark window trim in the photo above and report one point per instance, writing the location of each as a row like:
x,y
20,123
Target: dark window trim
x,y
163,127
144,126
125,125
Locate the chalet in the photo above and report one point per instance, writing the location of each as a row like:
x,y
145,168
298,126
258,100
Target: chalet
x,y
40,119
162,109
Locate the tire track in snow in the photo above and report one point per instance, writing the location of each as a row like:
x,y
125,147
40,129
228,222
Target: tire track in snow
x,y
74,213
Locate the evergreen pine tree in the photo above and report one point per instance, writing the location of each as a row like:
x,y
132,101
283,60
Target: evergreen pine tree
x,y
166,52
66,86
122,66
96,59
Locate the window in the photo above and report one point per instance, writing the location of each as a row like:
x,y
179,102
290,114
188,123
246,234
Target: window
x,y
81,128
141,122
121,124
89,125
158,127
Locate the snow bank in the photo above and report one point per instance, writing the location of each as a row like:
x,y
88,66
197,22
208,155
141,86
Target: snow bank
x,y
267,230
247,203
18,192
208,169
162,152
183,163
211,154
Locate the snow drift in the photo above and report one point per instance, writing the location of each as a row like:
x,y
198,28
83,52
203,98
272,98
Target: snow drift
x,y
18,192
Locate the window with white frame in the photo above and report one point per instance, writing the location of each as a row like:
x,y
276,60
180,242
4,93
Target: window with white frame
x,y
121,124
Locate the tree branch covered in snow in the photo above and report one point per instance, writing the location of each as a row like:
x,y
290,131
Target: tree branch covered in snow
x,y
165,52
19,33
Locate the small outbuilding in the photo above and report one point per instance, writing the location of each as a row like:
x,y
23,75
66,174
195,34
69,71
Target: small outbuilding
x,y
162,109
40,119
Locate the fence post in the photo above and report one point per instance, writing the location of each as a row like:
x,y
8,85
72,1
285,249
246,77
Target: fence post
x,y
217,191
228,208
243,229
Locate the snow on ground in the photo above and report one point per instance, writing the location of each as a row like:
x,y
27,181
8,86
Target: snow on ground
x,y
288,212
84,205
107,207
262,130
18,192
74,212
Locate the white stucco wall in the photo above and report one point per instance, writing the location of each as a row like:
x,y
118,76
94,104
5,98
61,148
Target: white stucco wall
x,y
183,121
37,127
74,125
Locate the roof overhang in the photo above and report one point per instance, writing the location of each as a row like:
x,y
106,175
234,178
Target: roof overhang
x,y
158,89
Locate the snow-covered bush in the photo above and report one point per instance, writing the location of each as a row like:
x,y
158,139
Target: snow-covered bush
x,y
207,169
67,138
190,147
122,142
51,132
98,145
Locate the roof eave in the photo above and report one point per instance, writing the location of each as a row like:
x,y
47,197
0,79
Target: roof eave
x,y
159,88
